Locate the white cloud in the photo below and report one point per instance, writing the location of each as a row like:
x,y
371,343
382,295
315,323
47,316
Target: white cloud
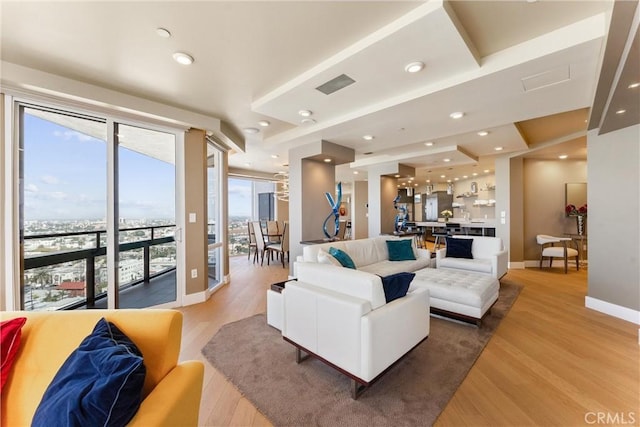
x,y
72,134
49,179
31,188
240,191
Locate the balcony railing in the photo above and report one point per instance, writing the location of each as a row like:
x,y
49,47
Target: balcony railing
x,y
89,255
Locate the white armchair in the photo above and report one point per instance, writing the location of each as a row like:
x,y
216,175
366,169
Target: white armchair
x,y
489,257
550,250
347,324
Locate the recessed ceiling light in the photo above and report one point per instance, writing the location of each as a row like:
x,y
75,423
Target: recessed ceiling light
x,y
356,172
456,115
368,137
447,160
499,148
163,32
327,160
428,181
621,111
251,131
475,174
414,67
443,176
448,180
305,113
429,144
465,176
307,121
264,123
410,179
486,171
397,176
634,85
562,156
274,156
483,133
183,58
456,179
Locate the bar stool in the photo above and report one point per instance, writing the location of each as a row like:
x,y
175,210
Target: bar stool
x,y
451,228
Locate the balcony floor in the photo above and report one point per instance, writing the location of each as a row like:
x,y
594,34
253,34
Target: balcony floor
x,y
161,289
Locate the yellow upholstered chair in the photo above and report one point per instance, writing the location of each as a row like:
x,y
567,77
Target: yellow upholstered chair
x,y
172,390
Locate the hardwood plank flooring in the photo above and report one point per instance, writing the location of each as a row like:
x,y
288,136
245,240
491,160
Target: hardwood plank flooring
x,y
551,361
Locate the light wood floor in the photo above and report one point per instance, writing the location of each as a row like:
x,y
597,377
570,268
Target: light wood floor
x,y
550,362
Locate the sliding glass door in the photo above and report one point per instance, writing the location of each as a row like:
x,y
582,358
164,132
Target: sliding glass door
x,y
65,161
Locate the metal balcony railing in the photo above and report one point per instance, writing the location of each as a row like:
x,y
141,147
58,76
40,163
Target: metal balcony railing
x,y
90,255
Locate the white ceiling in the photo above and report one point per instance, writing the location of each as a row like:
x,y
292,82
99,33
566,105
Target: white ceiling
x,y
262,60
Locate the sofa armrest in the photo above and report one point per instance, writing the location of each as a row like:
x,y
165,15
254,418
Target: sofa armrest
x,y
440,253
175,400
391,331
325,322
423,253
500,264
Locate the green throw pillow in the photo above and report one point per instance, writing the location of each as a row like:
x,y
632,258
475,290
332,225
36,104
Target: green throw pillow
x,y
343,257
400,250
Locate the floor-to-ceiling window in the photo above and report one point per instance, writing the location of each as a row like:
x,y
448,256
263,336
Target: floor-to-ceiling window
x,y
63,211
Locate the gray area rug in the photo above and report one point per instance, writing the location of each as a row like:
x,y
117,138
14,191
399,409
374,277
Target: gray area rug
x,y
255,358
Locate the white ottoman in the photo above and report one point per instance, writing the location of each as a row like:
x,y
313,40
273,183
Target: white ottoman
x,y
463,295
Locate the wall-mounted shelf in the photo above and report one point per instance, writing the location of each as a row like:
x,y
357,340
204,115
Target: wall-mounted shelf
x,y
466,195
484,203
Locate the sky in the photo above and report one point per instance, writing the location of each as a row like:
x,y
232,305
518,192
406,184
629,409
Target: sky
x,y
65,177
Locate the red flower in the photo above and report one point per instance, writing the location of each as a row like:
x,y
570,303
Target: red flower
x,y
583,209
570,210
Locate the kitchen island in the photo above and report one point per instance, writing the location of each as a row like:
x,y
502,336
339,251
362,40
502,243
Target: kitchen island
x,y
485,227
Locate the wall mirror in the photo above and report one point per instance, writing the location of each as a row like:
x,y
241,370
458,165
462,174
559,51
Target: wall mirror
x,y
575,194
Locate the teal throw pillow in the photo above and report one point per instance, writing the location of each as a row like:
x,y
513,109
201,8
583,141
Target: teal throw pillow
x,y
400,250
342,257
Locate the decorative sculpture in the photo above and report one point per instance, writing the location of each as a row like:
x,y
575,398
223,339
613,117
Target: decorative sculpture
x,y
401,217
335,206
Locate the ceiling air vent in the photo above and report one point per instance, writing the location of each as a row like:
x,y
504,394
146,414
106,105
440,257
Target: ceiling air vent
x,y
336,84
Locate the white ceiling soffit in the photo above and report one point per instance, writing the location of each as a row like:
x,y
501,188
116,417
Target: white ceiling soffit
x,y
459,86
376,61
449,155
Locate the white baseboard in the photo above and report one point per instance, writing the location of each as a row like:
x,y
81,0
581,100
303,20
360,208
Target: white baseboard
x,y
196,298
614,310
556,263
520,265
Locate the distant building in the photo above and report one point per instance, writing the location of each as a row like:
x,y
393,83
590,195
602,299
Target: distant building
x,y
75,289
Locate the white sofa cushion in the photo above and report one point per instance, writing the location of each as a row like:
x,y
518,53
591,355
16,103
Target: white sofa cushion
x,y
478,264
363,252
461,287
483,247
327,258
386,267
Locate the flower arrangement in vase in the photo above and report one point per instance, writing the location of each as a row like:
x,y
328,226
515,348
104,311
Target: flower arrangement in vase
x,y
446,214
580,214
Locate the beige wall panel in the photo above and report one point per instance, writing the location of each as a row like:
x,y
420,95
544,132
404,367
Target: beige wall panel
x,y
195,235
544,199
614,220
359,210
388,192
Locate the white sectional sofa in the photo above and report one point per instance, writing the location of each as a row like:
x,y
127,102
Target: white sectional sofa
x,y
370,255
489,257
341,316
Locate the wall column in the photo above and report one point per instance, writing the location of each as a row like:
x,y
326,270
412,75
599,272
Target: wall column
x,y
309,178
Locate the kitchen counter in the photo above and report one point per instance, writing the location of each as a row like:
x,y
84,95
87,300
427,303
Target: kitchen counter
x,y
486,227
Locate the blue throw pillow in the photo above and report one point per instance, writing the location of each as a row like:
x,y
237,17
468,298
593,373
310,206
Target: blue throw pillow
x,y
400,250
459,248
396,285
342,257
100,383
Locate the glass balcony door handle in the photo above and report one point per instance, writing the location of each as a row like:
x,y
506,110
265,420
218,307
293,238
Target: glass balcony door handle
x,y
177,233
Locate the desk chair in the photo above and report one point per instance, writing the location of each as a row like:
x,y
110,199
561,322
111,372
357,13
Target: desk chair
x,y
548,249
